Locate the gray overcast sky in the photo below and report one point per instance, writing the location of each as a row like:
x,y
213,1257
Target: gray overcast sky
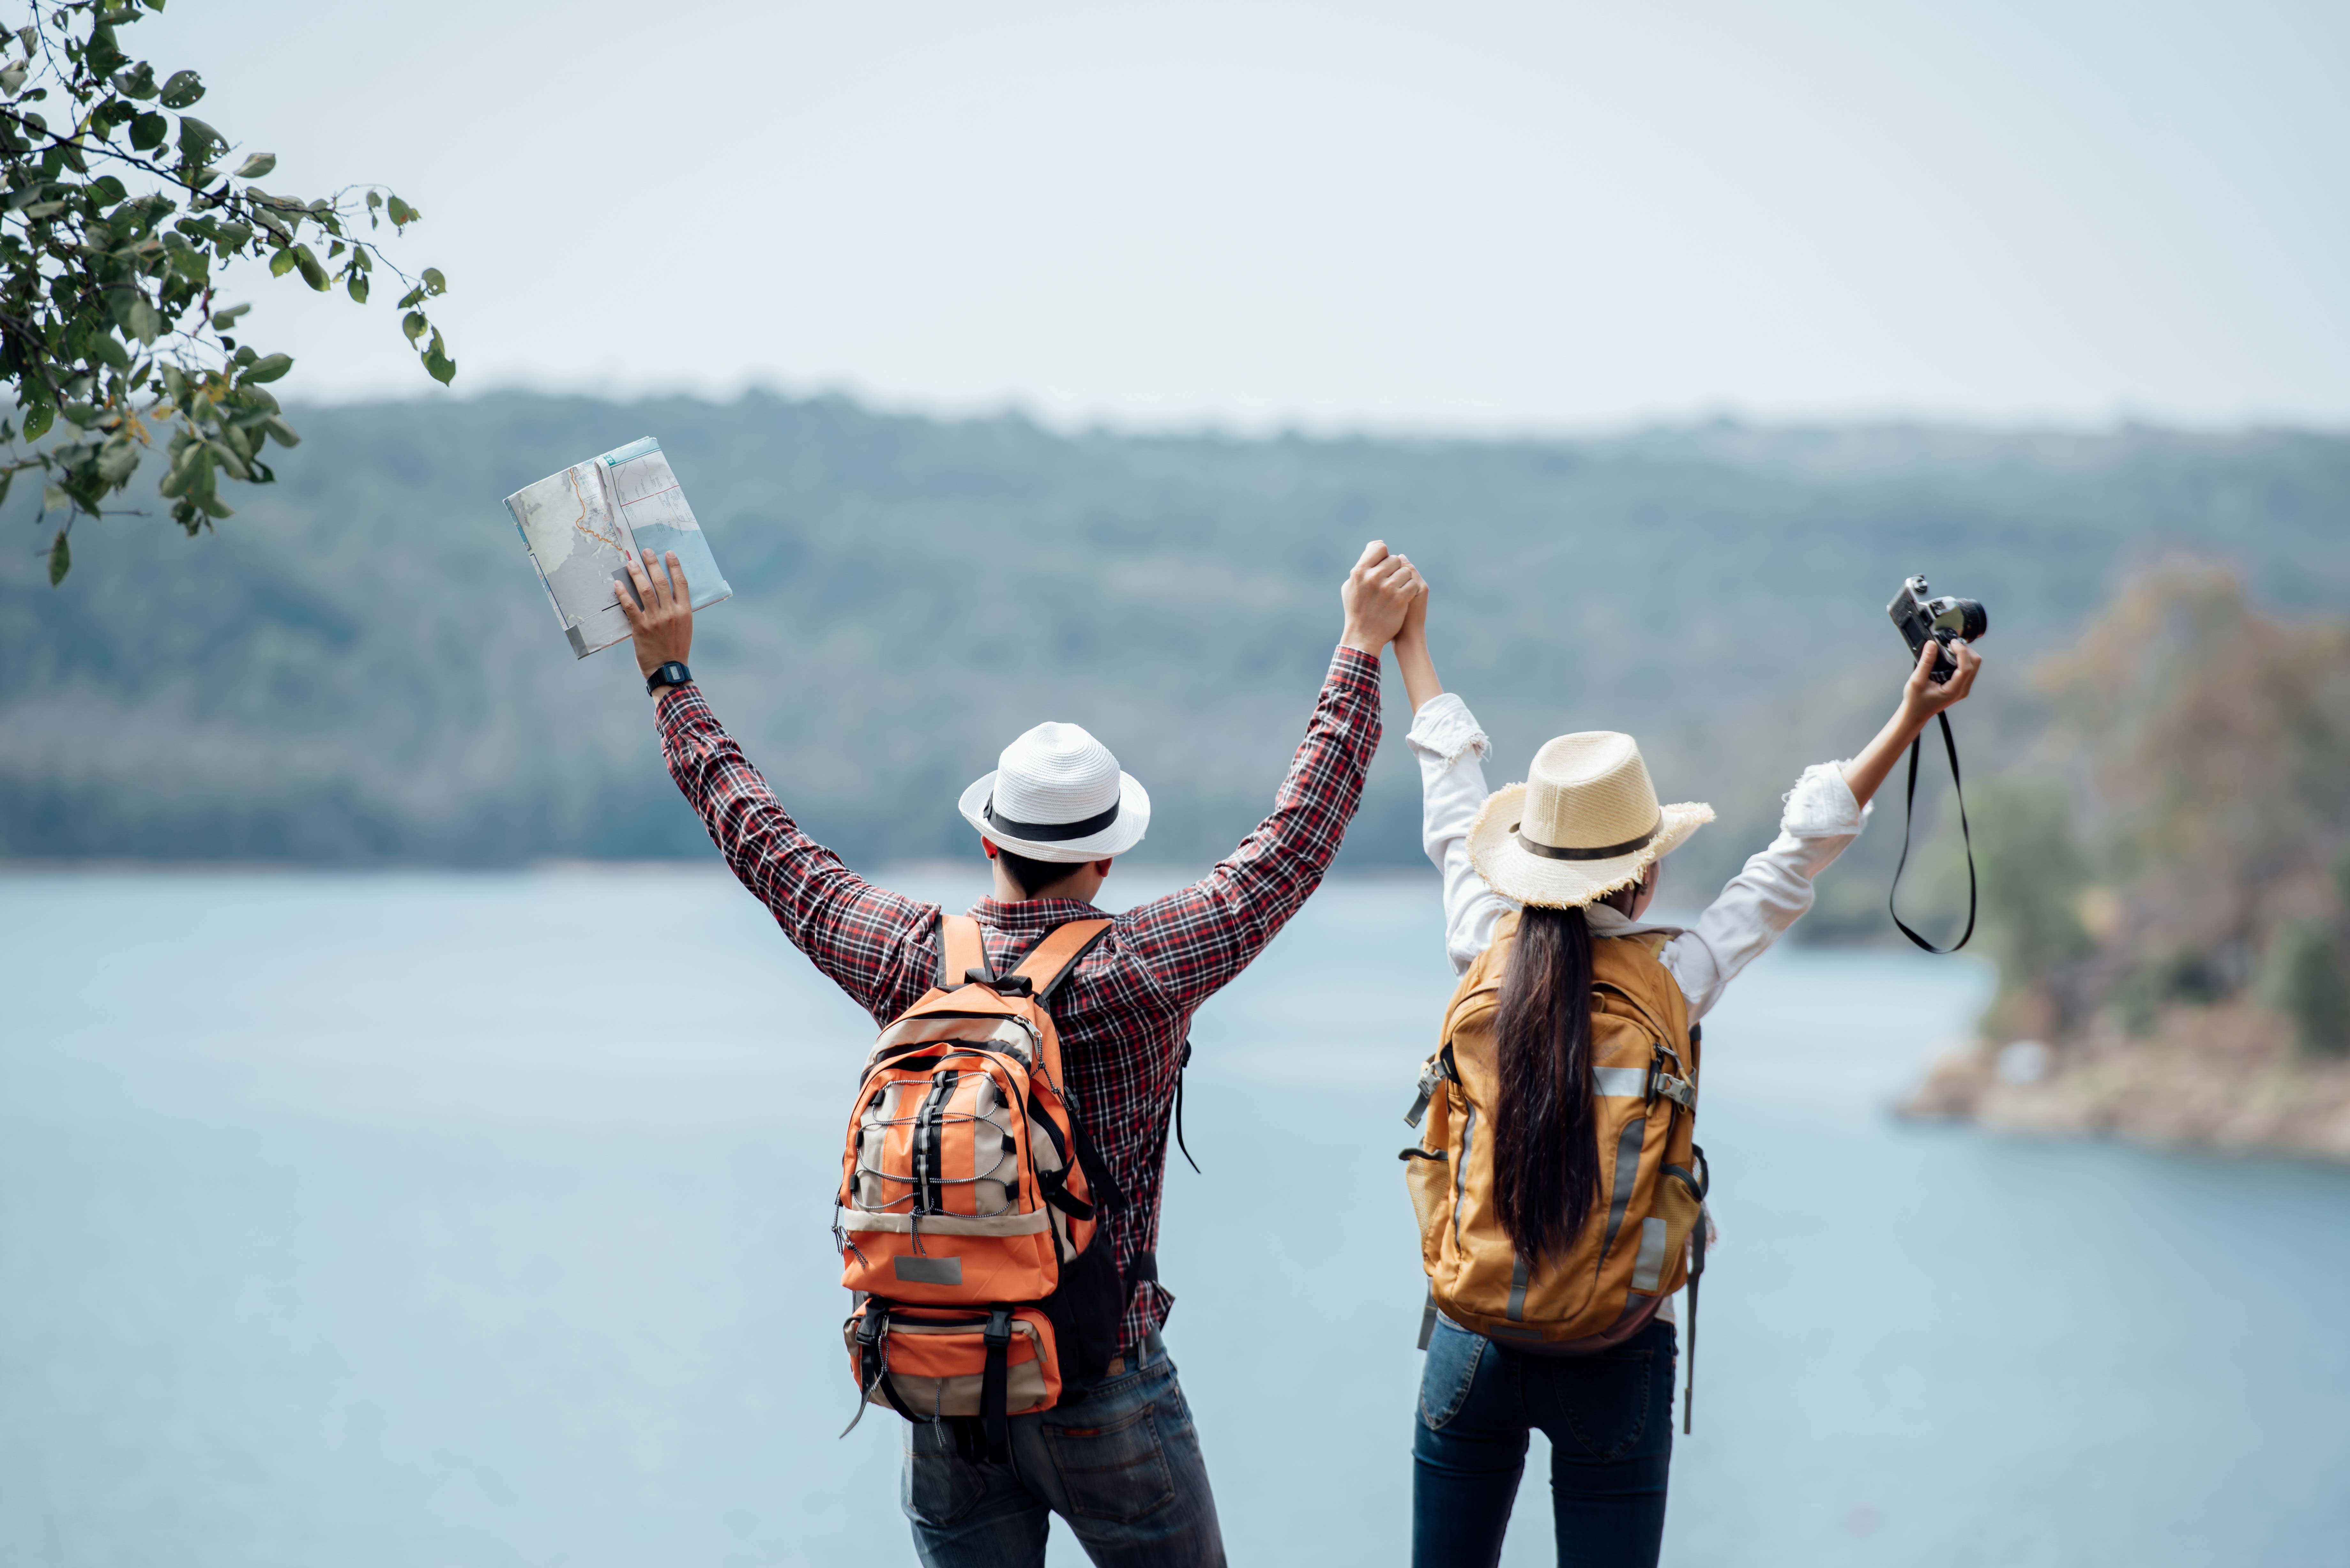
x,y
1459,216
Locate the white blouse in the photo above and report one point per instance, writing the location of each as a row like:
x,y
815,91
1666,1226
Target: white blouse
x,y
1769,895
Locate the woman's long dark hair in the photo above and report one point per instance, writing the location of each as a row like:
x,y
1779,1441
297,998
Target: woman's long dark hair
x,y
1546,1148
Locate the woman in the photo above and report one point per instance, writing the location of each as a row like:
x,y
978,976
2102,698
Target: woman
x,y
1552,876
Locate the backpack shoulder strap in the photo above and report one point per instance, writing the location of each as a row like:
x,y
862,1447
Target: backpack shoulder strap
x,y
961,951
1051,961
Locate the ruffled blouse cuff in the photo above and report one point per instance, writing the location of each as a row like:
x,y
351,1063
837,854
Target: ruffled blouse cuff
x,y
1820,805
1445,731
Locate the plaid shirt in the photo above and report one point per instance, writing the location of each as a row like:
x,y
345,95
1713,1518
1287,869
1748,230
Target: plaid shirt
x,y
1124,1016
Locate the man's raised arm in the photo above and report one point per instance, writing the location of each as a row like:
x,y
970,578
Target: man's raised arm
x,y
874,944
1200,937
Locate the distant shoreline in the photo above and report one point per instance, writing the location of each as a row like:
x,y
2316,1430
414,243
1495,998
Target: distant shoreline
x,y
2224,1079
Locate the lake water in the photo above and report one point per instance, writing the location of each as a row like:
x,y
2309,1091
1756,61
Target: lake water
x,y
363,1221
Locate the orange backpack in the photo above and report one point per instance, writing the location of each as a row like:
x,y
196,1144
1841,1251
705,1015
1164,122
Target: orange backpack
x,y
1646,1236
968,1195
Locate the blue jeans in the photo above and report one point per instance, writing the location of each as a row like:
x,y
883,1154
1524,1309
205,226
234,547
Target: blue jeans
x,y
1121,1466
1609,1419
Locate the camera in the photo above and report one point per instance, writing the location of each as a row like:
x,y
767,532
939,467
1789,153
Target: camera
x,y
1921,618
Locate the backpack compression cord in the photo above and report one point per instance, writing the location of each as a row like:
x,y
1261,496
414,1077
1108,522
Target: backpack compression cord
x,y
1909,813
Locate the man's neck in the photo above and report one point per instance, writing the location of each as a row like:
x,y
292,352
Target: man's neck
x,y
1077,888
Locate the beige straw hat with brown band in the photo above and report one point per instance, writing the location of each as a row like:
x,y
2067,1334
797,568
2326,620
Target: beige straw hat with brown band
x,y
1584,824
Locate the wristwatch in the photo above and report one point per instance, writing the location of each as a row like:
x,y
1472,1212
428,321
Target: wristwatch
x,y
669,674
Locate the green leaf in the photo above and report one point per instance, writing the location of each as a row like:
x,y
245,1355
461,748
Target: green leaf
x,y
356,283
435,281
282,262
413,297
38,420
103,347
374,200
279,432
437,363
60,559
7,478
182,89
138,82
54,499
11,79
254,167
147,132
413,324
226,316
400,211
118,459
197,139
145,324
269,368
313,272
44,210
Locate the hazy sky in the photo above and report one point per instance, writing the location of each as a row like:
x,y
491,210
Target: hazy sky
x,y
1484,217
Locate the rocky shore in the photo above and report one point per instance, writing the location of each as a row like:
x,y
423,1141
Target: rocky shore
x,y
2223,1077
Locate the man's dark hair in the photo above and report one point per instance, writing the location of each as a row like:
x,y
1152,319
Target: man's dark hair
x,y
1036,875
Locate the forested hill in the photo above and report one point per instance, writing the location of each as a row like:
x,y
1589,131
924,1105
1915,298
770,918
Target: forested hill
x,y
362,668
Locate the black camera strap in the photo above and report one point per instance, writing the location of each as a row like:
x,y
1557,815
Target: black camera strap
x,y
1910,809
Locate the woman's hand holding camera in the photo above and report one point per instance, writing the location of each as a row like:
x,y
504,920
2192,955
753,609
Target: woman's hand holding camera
x,y
1922,697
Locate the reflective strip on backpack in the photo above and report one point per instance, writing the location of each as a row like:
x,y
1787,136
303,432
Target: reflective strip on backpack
x,y
1649,1266
1625,1082
1628,1170
1517,1309
1461,1177
1027,1225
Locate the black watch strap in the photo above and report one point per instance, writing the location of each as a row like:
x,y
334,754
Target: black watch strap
x,y
669,674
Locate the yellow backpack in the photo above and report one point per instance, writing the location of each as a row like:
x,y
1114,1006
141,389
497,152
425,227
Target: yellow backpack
x,y
1646,1236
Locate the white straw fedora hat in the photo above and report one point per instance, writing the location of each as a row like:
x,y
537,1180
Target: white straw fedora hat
x,y
1585,823
1056,794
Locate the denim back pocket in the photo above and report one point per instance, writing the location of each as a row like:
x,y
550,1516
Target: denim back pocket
x,y
1117,1471
1450,1372
1605,1399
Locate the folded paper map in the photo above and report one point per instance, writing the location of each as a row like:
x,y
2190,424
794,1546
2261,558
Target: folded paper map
x,y
579,526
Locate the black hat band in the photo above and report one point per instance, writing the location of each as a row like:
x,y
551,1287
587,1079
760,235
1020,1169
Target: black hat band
x,y
1050,832
1605,852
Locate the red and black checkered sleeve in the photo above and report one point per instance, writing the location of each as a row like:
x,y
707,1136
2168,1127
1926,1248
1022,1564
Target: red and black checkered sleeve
x,y
1196,941
879,946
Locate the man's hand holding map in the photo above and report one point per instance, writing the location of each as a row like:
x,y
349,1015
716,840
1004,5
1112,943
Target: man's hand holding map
x,y
583,525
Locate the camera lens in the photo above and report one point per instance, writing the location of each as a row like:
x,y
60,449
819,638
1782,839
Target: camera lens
x,y
1973,622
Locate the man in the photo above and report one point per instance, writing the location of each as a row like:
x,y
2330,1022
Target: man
x,y
1120,1461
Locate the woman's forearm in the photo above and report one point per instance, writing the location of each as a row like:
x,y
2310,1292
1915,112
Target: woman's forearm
x,y
1922,697
1420,681
1867,771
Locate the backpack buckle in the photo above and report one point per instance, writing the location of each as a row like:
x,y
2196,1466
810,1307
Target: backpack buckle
x,y
1003,985
999,1327
1668,1086
1431,1075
